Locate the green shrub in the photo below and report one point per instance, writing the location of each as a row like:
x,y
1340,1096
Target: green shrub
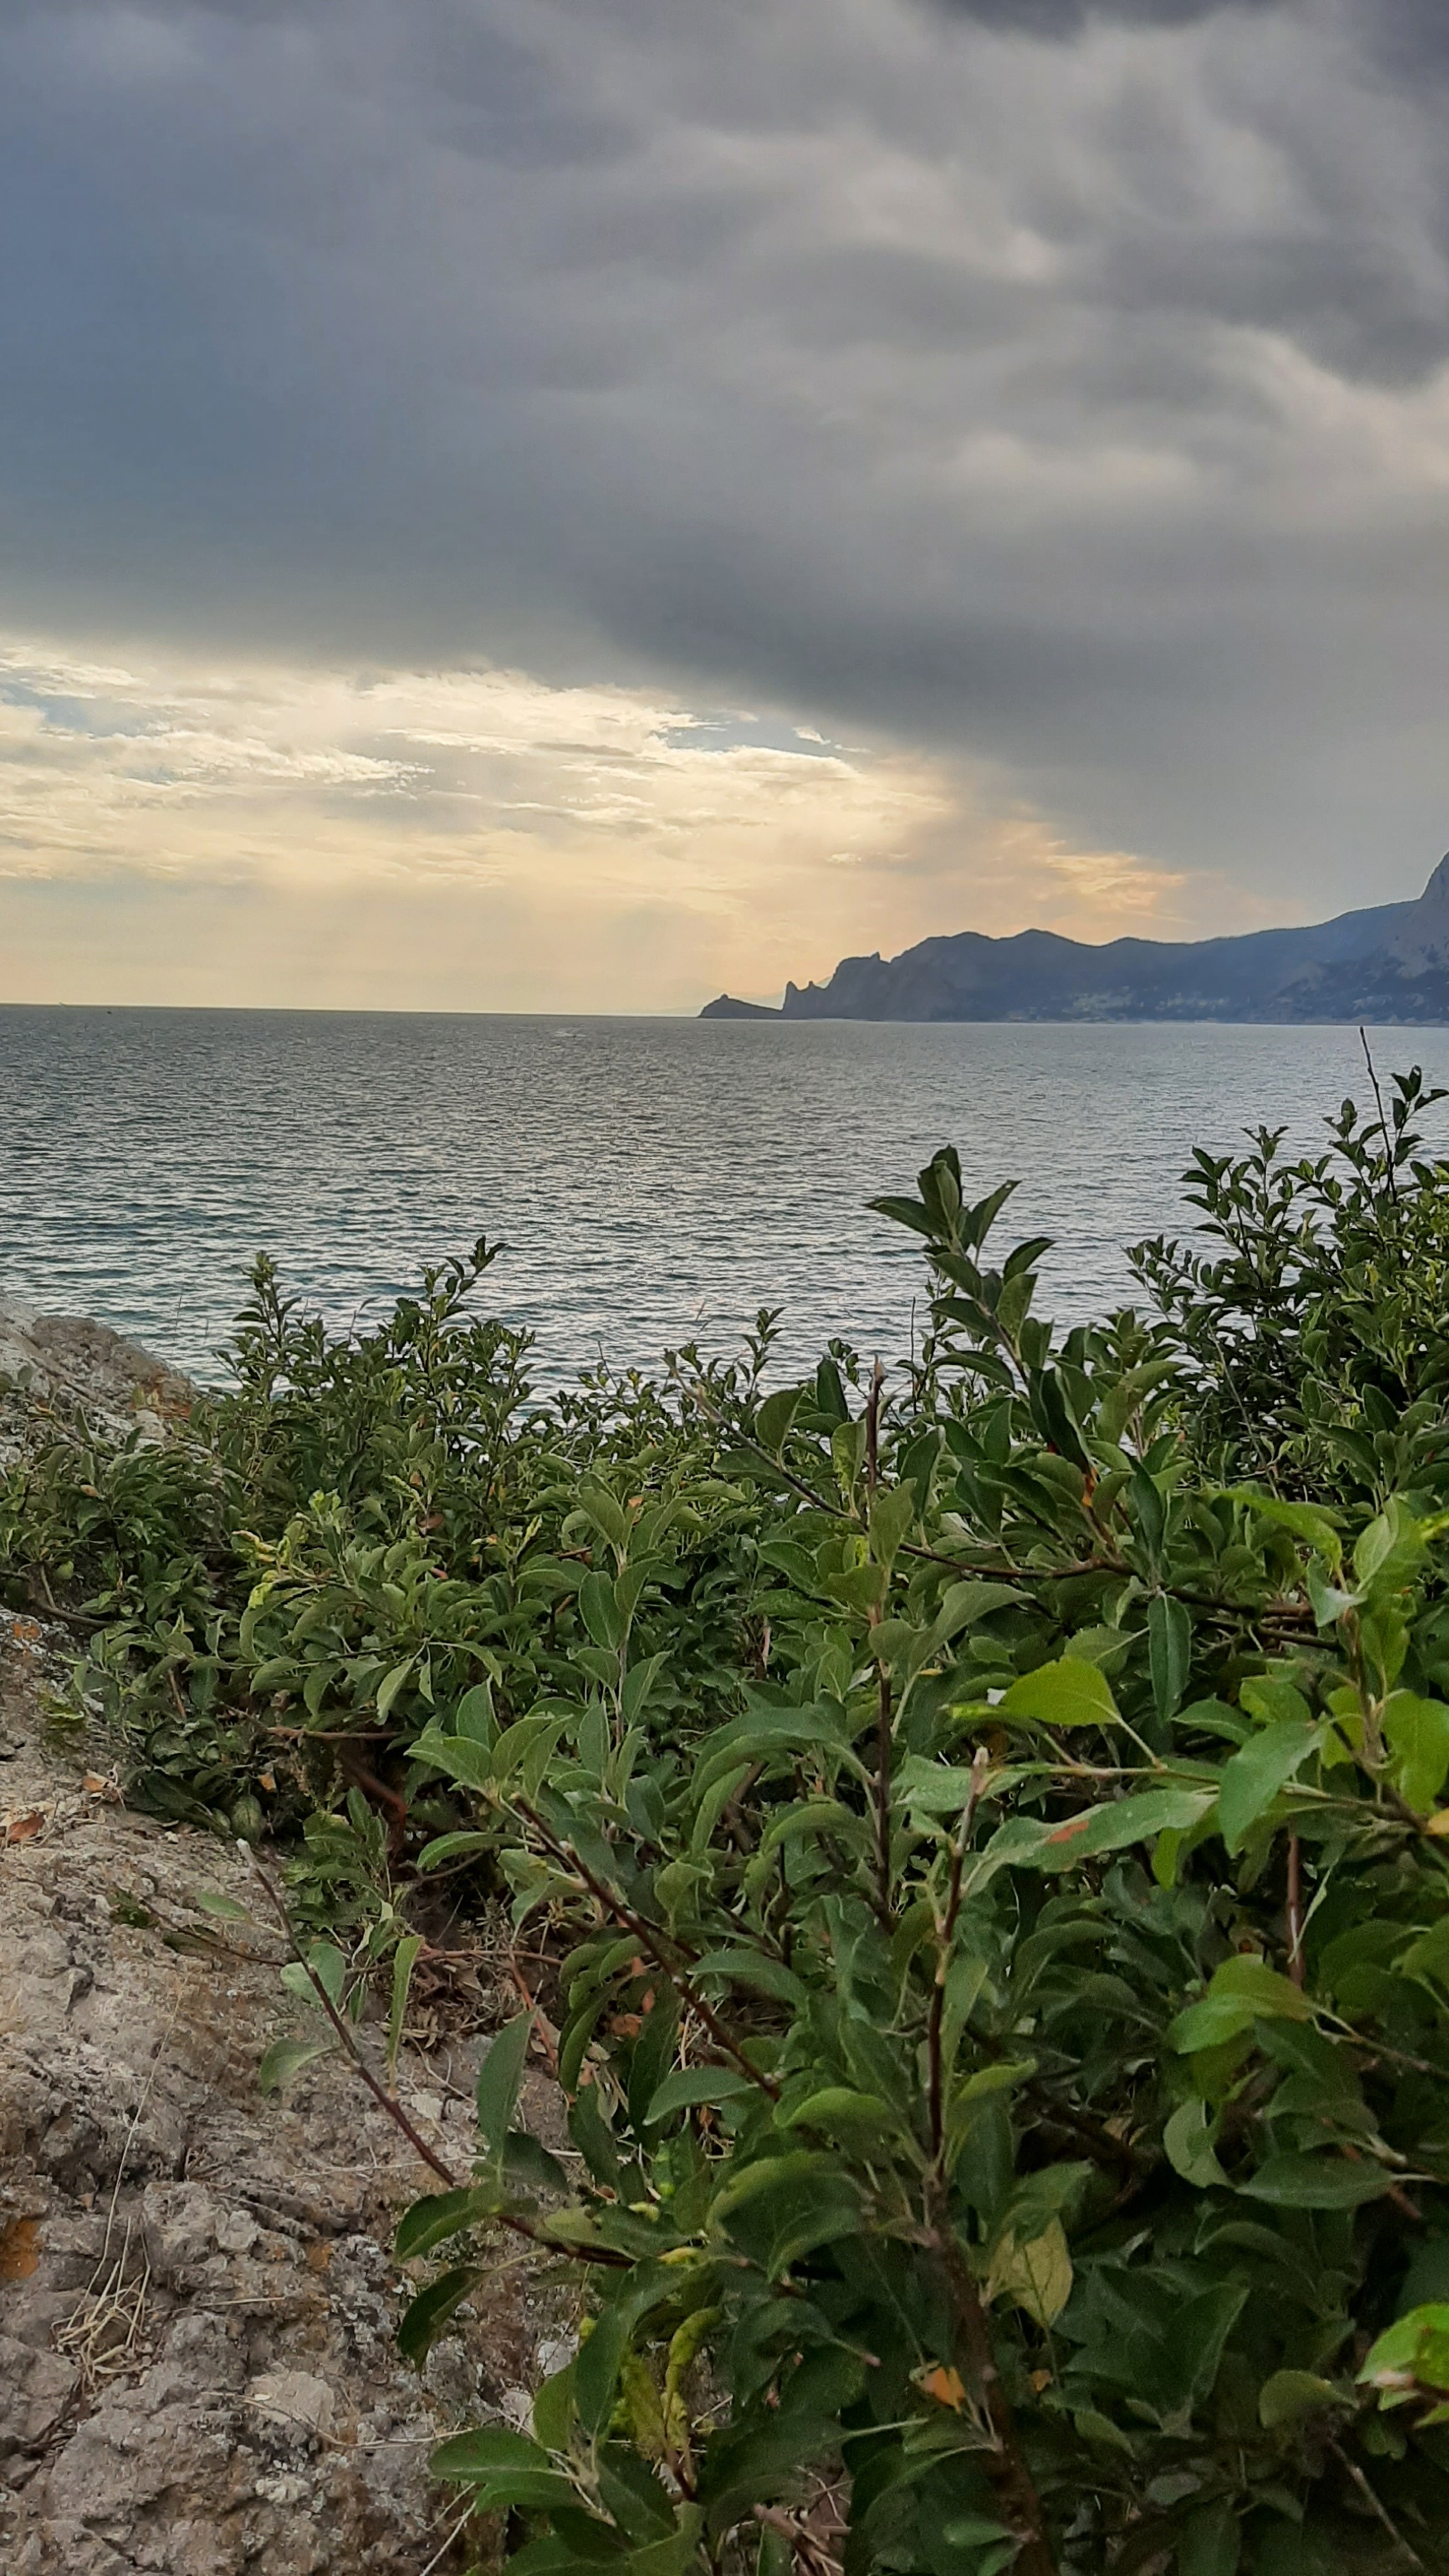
x,y
986,1824
1004,2144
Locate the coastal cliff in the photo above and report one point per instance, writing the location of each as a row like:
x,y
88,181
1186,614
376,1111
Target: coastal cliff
x,y
1389,964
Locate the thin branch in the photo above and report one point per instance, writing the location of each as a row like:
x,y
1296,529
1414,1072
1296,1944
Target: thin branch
x,y
884,1723
1389,1173
650,1939
1295,1909
1014,1573
386,2101
1375,2504
884,1747
747,1440
936,2079
389,2103
872,1430
1010,2473
1006,2465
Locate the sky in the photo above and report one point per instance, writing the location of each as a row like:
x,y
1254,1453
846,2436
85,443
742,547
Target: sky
x,y
520,505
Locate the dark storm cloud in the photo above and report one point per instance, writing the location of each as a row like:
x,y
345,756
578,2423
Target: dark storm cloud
x,y
1406,37
1069,17
1059,387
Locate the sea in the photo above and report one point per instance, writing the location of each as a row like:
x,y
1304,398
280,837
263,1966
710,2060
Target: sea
x,y
649,1181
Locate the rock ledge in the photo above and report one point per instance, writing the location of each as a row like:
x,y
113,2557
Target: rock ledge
x,y
198,2375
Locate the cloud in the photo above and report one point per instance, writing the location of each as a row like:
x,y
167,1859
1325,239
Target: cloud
x,y
1409,39
1050,396
1068,17
475,838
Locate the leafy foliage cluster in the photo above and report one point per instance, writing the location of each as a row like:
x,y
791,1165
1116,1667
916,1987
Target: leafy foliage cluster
x,y
986,1827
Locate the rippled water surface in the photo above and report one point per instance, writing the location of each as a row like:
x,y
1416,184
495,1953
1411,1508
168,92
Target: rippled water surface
x,y
651,1179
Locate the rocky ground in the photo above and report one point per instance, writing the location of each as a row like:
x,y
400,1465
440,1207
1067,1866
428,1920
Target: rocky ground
x,y
197,2368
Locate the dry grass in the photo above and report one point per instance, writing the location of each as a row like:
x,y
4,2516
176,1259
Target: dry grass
x,y
105,2336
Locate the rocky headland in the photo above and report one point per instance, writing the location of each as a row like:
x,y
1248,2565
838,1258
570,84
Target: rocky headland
x,y
1388,964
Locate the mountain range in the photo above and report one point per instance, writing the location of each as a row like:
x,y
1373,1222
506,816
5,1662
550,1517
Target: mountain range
x,y
1387,964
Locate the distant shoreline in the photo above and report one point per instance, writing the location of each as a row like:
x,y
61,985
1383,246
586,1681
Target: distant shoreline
x,y
757,1013
1388,964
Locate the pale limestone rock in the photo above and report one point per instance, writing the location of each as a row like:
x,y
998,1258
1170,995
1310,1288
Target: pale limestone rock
x,y
198,2367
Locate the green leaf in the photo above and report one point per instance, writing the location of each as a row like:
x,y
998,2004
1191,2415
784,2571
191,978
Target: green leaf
x,y
554,2410
677,2556
528,2166
933,1788
526,1748
1192,2347
1389,1551
1169,1646
317,1685
601,2356
1036,2276
791,1560
389,1688
1189,2141
690,2084
286,2058
816,1816
741,1967
1429,1955
1242,1991
607,1514
837,2111
1069,1693
1291,2394
1322,2181
280,1672
600,1611
1016,1844
455,1847
594,2140
488,2447
1100,2431
1114,1827
962,1604
442,2214
974,2099
423,2321
1211,2543
1272,1700
1413,2352
225,1908
500,2080
712,1804
638,1686
1417,1732
775,1416
474,1716
1330,1601
974,2530
329,1967
1306,1521
508,2471
892,1515
772,1735
405,1959
460,1756
1120,1402
784,2206
1253,1777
